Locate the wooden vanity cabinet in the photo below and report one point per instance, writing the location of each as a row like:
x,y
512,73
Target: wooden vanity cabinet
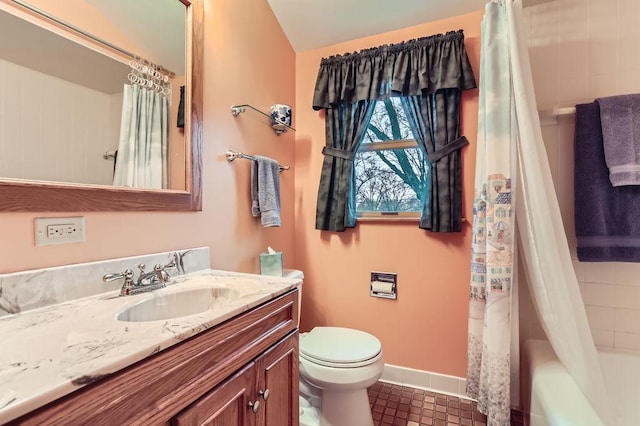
x,y
278,384
209,379
264,392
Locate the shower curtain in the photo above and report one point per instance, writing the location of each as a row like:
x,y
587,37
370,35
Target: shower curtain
x,y
144,134
510,145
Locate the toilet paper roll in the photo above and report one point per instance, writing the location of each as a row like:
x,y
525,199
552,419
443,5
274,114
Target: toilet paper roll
x,y
382,287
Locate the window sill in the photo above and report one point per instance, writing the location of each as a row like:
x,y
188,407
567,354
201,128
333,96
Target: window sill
x,y
390,218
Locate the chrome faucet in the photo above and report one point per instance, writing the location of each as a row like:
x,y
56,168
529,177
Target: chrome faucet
x,y
147,281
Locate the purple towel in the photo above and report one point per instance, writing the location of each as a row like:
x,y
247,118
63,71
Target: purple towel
x,y
620,117
607,217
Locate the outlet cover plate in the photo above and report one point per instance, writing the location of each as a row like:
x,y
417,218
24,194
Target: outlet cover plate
x,y
59,230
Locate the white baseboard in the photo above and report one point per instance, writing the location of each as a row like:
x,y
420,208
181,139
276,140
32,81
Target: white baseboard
x,y
419,379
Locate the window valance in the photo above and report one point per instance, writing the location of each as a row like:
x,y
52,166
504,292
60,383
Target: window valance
x,y
410,68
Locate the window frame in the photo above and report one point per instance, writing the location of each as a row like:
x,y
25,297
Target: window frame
x,y
388,216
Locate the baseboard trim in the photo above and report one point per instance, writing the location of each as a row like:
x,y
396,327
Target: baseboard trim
x,y
420,379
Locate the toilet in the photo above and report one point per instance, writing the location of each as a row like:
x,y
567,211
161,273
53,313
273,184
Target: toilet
x,y
337,365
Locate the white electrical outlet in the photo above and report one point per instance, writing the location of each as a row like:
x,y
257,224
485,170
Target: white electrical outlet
x,y
59,230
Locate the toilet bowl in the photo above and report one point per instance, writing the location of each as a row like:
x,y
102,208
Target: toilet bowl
x,y
337,365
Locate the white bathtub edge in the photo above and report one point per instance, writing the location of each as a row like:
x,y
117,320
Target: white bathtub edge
x,y
556,399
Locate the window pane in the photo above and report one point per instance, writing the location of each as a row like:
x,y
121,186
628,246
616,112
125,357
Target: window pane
x,y
390,180
388,123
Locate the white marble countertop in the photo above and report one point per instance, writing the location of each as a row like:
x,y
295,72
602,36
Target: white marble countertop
x,y
49,352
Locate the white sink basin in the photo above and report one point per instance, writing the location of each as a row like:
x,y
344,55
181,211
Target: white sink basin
x,y
162,306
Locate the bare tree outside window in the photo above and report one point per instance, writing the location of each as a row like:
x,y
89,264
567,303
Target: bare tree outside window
x,y
391,173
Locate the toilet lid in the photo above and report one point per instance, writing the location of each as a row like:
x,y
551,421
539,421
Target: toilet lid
x,y
338,345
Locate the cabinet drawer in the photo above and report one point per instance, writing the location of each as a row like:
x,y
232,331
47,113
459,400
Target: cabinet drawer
x,y
154,390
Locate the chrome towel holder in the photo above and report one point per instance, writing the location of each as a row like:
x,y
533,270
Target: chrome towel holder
x,y
236,110
231,155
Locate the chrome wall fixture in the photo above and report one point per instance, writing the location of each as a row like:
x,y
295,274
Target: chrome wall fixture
x,y
233,155
278,125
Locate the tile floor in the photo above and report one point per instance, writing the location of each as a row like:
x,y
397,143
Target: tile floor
x,y
394,405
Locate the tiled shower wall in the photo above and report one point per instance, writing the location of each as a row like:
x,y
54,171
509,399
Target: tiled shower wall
x,y
581,50
63,128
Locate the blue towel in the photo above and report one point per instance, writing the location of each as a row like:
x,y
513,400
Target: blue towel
x,y
265,191
620,117
607,217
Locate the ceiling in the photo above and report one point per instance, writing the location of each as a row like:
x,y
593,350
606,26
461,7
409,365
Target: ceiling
x,y
310,24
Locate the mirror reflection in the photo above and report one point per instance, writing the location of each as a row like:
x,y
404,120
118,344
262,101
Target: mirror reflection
x,y
73,110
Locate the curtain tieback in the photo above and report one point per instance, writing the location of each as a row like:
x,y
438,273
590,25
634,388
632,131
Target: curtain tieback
x,y
447,149
340,153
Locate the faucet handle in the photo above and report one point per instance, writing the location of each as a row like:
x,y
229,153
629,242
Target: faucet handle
x,y
161,274
170,265
127,275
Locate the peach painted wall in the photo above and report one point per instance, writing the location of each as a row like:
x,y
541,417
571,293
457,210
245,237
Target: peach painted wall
x,y
426,328
247,60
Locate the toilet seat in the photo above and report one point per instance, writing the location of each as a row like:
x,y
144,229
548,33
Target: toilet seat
x,y
340,347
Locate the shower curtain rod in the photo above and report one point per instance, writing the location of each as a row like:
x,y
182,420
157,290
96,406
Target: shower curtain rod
x,y
88,35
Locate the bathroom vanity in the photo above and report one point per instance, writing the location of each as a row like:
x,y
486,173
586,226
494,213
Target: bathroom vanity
x,y
242,372
234,364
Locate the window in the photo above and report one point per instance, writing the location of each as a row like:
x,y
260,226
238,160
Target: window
x,y
391,174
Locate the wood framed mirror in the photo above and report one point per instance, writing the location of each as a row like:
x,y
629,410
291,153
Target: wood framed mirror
x,y
19,195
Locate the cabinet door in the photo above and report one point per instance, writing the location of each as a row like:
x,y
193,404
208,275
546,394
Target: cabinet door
x,y
278,383
225,405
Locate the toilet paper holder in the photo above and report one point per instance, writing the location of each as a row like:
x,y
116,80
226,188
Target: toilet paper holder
x,y
384,285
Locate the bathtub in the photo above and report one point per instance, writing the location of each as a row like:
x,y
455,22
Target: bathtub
x,y
556,400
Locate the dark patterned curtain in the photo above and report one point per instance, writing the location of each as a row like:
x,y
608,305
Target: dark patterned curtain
x,y
433,69
345,127
434,121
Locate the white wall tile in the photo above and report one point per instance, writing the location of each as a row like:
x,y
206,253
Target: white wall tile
x,y
550,138
601,85
579,268
602,54
392,374
627,296
627,82
627,320
628,59
416,378
626,273
448,384
599,295
583,290
624,340
572,72
603,338
599,272
462,386
600,318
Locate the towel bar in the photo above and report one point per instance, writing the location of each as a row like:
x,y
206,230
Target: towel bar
x,y
233,155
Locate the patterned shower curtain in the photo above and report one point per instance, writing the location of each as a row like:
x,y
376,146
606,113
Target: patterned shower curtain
x,y
510,148
488,370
